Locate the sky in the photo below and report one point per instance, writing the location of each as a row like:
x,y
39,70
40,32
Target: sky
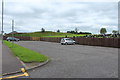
x,y
65,15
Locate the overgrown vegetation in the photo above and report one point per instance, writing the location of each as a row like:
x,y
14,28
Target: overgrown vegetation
x,y
25,54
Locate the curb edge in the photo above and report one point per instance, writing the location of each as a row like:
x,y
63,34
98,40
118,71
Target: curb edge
x,y
19,71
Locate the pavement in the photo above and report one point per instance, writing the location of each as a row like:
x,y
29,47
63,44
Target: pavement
x,y
9,62
74,61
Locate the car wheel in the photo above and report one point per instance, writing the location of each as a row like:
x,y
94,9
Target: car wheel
x,y
66,43
61,43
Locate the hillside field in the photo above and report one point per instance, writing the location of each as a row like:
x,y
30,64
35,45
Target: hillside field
x,y
48,34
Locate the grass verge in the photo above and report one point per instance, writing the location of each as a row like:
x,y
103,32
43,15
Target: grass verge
x,y
25,54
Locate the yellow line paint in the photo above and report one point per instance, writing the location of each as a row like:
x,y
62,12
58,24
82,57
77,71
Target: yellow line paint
x,y
23,69
24,74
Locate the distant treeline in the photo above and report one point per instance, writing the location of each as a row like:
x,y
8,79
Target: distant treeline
x,y
74,32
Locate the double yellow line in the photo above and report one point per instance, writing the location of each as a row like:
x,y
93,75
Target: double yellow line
x,y
24,74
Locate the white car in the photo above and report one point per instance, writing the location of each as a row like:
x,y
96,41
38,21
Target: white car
x,y
67,41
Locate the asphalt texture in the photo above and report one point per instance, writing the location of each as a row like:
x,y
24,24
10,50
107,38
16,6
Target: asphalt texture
x,y
9,62
74,61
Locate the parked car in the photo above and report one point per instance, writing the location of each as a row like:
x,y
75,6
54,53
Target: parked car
x,y
67,41
12,39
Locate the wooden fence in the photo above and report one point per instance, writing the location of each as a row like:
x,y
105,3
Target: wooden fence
x,y
105,42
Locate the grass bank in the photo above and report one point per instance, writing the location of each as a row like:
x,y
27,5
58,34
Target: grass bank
x,y
25,54
48,34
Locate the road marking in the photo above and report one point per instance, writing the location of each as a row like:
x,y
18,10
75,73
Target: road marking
x,y
20,75
23,69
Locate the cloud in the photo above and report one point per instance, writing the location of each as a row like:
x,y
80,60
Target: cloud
x,y
66,15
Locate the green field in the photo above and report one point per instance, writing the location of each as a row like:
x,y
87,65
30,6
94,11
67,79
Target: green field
x,y
25,54
48,34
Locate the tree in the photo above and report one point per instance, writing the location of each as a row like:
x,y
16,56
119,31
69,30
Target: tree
x,y
42,30
73,32
58,30
68,31
76,30
84,33
103,30
114,32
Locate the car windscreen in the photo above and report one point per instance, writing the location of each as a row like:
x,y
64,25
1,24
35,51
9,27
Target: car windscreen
x,y
16,38
10,38
69,39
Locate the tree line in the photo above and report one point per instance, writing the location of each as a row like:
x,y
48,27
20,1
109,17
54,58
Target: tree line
x,y
73,31
103,31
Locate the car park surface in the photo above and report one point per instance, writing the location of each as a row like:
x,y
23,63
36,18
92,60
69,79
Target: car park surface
x,y
74,61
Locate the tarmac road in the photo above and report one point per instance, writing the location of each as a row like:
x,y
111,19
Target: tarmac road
x,y
74,61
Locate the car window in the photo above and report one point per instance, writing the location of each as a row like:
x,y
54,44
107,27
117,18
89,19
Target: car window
x,y
69,39
9,38
62,39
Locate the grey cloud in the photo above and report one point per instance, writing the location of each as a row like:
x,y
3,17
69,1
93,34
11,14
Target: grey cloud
x,y
65,15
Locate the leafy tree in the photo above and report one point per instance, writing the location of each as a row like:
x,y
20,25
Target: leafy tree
x,y
68,31
42,30
114,31
58,30
73,32
103,30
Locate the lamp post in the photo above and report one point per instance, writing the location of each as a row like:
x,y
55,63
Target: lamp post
x,y
2,19
13,33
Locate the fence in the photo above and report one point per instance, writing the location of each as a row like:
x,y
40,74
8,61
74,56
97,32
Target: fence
x,y
105,42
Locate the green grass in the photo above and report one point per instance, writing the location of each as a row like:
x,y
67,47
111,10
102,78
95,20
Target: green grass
x,y
48,34
25,54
